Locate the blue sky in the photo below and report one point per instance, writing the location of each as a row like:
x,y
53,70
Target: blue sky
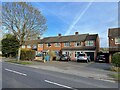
x,y
84,17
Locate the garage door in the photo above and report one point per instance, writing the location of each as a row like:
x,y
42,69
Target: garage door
x,y
91,54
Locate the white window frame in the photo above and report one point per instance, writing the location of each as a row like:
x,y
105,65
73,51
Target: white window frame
x,y
48,44
88,43
40,45
23,46
75,43
57,44
117,40
67,44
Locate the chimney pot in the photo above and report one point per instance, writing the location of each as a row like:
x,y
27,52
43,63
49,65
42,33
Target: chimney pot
x,y
38,37
59,34
76,33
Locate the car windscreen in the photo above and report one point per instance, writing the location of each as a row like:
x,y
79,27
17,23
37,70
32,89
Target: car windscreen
x,y
39,55
81,55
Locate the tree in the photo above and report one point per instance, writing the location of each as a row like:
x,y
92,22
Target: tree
x,y
9,45
23,20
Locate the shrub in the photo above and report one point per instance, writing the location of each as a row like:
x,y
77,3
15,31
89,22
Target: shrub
x,y
27,54
116,59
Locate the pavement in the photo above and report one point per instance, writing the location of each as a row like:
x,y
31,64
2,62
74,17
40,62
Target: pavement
x,y
22,76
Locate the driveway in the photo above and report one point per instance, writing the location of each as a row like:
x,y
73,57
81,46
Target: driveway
x,y
90,70
102,66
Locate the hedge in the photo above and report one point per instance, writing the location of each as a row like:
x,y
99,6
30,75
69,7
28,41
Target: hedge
x,y
116,59
27,54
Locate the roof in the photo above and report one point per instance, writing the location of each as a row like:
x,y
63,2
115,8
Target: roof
x,y
113,32
80,48
92,37
32,42
69,38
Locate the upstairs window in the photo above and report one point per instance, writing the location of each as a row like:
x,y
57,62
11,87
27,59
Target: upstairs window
x,y
48,44
23,46
77,44
117,40
40,45
67,44
89,43
57,44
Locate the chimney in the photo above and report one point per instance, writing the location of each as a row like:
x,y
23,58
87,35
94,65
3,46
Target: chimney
x,y
59,34
76,33
38,37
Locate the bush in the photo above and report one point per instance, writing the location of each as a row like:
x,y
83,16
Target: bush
x,y
116,59
27,54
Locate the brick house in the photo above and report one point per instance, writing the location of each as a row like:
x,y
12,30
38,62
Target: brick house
x,y
31,44
71,44
114,41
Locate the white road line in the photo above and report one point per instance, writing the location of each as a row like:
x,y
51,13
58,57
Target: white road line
x,y
15,72
107,80
59,84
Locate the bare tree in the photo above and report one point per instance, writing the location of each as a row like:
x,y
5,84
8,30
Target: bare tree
x,y
23,20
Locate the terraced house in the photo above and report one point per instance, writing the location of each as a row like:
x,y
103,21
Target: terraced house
x,y
71,44
114,41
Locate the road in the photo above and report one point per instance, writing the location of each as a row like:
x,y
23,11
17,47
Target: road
x,y
17,76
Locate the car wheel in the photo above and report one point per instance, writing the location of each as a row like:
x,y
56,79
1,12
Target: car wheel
x,y
86,61
67,60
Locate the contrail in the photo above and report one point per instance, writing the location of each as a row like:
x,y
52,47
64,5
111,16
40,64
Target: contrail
x,y
75,22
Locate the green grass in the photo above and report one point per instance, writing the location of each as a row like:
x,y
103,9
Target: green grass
x,y
115,76
20,62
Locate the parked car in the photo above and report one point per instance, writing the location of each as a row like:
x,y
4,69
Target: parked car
x,y
100,58
83,57
39,57
64,57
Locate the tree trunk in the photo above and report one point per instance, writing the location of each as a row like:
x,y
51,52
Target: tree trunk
x,y
19,52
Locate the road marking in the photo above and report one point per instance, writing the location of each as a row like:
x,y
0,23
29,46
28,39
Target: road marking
x,y
59,84
15,72
107,80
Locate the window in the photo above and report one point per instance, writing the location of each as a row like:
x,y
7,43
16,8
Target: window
x,y
57,44
89,43
117,40
40,45
67,53
23,46
28,46
48,44
77,44
67,44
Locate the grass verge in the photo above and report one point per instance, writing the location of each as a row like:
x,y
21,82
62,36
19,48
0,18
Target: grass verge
x,y
20,62
116,77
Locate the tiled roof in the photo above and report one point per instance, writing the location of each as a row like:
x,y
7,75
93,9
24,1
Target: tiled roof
x,y
70,38
32,42
92,37
113,32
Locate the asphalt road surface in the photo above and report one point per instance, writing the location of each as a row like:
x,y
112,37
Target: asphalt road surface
x,y
17,76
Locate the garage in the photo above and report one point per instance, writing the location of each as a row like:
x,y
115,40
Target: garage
x,y
91,54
